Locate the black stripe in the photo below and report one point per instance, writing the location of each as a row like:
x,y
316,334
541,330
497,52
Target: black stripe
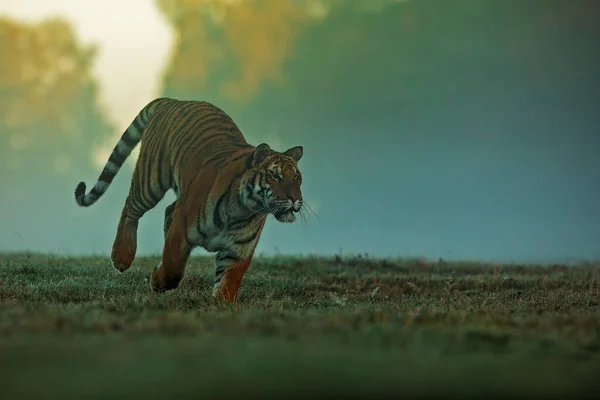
x,y
202,212
164,125
170,116
248,239
146,170
142,199
151,152
237,225
261,186
146,167
217,220
153,196
249,161
159,167
187,238
189,113
139,124
138,195
236,158
107,176
220,157
155,105
141,175
229,260
128,140
198,140
116,158
240,196
251,183
226,255
219,123
134,208
143,115
193,117
185,228
221,131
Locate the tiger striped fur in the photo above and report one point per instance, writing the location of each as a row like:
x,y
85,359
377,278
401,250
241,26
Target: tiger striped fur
x,y
225,188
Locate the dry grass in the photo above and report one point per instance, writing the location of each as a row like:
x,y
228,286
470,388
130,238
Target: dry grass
x,y
74,328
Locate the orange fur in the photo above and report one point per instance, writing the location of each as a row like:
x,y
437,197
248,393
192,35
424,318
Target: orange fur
x,y
225,189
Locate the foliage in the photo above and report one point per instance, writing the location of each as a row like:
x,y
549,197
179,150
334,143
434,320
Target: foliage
x,y
239,43
230,48
49,116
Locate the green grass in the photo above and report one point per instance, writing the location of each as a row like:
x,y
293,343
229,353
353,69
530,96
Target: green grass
x,y
74,328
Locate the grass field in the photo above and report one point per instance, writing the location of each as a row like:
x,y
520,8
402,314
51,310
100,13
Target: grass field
x,y
73,328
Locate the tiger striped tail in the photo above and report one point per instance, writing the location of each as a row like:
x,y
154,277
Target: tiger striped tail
x,y
129,140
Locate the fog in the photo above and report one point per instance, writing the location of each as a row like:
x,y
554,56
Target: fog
x,y
453,129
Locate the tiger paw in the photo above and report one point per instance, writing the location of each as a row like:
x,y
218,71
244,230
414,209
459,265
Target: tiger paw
x,y
121,261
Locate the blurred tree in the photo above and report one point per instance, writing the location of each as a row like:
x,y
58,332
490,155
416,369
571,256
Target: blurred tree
x,y
243,55
228,48
49,117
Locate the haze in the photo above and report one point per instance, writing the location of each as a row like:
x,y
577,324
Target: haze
x,y
431,128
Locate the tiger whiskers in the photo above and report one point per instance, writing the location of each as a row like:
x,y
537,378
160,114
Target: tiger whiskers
x,y
303,217
266,209
304,213
308,207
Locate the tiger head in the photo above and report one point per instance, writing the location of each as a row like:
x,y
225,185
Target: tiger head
x,y
273,183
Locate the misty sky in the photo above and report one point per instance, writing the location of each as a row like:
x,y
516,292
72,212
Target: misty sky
x,y
446,131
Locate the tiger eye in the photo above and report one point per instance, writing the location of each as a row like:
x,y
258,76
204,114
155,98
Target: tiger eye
x,y
274,175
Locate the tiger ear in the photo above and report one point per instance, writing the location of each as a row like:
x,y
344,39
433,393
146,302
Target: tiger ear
x,y
295,152
261,152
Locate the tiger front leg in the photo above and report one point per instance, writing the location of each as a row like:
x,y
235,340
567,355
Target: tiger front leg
x,y
176,252
229,273
168,218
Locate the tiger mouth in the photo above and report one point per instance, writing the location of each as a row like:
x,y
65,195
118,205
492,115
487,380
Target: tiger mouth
x,y
285,215
282,212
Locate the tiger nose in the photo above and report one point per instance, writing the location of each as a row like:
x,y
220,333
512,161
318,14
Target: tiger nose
x,y
294,197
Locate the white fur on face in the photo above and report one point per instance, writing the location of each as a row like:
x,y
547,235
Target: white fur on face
x,y
286,217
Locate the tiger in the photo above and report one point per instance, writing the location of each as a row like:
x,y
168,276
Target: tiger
x,y
224,188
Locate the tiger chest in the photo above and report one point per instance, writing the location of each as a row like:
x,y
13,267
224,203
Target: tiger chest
x,y
217,241
211,238
227,234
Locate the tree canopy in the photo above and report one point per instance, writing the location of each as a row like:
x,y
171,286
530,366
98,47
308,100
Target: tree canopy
x,y
49,115
229,48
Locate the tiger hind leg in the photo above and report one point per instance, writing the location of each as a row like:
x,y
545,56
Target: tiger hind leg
x,y
142,198
169,211
176,253
125,244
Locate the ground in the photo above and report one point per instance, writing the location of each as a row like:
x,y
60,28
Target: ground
x,y
75,328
